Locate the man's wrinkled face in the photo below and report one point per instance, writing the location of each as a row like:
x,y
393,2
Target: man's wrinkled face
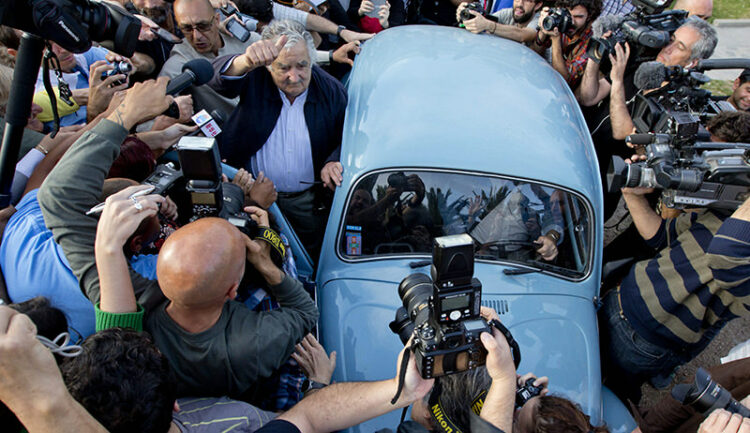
x,y
580,20
291,71
66,58
523,10
200,26
156,10
741,96
680,47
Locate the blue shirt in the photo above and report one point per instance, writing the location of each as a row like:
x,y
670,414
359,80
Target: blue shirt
x,y
33,264
77,79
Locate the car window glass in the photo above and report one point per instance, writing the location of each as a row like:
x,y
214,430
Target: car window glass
x,y
400,212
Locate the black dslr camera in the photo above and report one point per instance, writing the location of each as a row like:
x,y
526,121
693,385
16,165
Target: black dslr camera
x,y
560,18
476,7
705,395
442,312
527,392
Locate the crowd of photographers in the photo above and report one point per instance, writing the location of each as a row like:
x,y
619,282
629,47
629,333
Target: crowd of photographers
x,y
181,289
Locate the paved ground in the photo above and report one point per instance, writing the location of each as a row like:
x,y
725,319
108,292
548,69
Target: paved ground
x,y
734,42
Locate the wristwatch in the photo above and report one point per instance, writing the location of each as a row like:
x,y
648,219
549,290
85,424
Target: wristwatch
x,y
339,30
309,385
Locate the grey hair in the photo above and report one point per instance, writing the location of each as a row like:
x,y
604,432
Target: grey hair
x,y
704,47
295,33
458,392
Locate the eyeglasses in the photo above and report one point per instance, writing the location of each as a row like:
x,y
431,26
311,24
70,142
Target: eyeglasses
x,y
202,27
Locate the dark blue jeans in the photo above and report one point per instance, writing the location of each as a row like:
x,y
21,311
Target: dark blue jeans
x,y
628,360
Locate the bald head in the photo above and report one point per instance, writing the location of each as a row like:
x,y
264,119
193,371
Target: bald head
x,y
700,8
200,262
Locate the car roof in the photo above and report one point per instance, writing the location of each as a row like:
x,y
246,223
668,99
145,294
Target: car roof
x,y
430,96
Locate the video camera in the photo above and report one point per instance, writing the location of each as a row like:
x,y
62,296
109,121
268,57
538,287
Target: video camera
x,y
442,312
647,30
705,395
679,157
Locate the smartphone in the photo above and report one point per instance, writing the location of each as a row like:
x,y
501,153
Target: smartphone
x,y
238,30
376,10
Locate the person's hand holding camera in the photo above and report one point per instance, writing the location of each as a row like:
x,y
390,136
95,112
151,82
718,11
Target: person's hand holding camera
x,y
721,421
538,382
142,102
259,252
365,8
101,91
415,386
619,62
478,23
383,14
554,33
500,400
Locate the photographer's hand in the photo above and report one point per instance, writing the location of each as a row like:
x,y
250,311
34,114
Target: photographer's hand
x,y
263,191
383,14
500,400
365,8
619,62
538,381
721,421
331,175
258,252
415,386
101,91
478,24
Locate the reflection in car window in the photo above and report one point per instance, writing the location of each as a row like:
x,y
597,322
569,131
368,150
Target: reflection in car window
x,y
399,212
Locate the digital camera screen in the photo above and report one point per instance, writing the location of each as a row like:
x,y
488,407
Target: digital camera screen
x,y
455,303
203,198
474,325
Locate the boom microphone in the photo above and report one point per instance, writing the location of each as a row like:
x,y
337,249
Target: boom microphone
x,y
195,72
722,64
650,75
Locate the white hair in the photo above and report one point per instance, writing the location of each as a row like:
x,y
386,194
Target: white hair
x,y
294,32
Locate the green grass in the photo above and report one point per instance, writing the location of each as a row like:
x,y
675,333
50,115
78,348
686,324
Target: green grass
x,y
733,9
719,87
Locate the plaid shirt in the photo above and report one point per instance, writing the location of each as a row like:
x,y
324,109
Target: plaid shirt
x,y
574,53
616,7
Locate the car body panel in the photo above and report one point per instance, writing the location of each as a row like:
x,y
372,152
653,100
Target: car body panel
x,y
428,97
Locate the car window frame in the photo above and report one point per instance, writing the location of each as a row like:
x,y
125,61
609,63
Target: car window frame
x,y
341,229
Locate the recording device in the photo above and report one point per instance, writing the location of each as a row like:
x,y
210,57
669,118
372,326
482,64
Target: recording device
x,y
399,181
442,312
74,24
527,392
123,68
560,18
201,166
705,395
647,30
476,7
241,27
196,72
692,171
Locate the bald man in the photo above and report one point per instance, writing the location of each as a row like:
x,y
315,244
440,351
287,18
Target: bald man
x,y
215,345
700,8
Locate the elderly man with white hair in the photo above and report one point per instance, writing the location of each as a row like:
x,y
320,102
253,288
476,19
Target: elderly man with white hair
x,y
288,123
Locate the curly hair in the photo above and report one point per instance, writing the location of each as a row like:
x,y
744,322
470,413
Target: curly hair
x,y
560,415
593,7
123,381
731,126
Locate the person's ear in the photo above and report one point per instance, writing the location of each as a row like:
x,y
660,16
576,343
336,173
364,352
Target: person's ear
x,y
538,6
176,407
12,52
693,63
232,292
734,86
135,244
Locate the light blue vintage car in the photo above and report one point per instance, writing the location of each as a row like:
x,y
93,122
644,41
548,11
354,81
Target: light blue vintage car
x,y
449,132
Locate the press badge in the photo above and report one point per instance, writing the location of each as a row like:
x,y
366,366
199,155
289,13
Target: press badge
x,y
353,240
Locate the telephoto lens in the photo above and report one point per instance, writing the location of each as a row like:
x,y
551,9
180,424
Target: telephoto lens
x,y
705,395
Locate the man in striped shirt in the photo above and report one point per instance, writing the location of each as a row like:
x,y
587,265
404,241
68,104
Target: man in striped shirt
x,y
668,308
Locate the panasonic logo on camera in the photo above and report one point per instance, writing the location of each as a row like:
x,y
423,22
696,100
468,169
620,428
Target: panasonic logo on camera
x,y
62,24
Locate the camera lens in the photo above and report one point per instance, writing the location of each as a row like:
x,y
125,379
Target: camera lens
x,y
402,325
549,22
415,291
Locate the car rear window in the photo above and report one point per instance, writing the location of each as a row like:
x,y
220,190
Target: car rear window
x,y
399,213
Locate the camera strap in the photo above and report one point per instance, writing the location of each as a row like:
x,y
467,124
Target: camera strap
x,y
402,375
515,351
62,86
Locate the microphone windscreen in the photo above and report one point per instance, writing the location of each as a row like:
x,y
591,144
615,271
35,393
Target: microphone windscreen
x,y
202,70
649,75
605,23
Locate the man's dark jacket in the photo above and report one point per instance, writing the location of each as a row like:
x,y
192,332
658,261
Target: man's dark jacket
x,y
252,122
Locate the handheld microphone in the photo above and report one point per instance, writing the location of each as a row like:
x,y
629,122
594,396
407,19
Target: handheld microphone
x,y
195,72
650,75
210,124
